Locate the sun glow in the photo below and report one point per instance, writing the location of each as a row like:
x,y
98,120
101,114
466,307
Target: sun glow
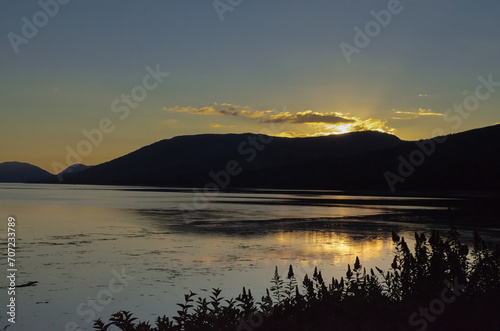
x,y
342,128
324,129
352,124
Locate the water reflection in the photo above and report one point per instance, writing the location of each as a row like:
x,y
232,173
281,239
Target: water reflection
x,y
71,237
339,247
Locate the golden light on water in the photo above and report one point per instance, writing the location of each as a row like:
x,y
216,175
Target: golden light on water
x,y
340,248
300,248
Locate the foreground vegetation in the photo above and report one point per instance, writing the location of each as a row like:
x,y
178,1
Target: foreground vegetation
x,y
440,285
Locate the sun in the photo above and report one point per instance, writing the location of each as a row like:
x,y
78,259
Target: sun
x,y
342,128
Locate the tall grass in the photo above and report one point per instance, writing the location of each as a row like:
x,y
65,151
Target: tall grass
x,y
362,300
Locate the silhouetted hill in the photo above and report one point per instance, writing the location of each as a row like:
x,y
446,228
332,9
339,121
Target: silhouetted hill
x,y
464,161
74,169
70,171
18,172
357,161
188,160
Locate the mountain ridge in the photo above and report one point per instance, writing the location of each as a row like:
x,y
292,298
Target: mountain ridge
x,y
187,160
367,160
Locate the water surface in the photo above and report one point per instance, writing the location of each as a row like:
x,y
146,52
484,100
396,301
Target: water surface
x,y
73,239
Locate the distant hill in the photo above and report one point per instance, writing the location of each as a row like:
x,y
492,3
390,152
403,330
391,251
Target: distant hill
x,y
18,172
72,170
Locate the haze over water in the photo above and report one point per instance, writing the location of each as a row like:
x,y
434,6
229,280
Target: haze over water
x,y
74,239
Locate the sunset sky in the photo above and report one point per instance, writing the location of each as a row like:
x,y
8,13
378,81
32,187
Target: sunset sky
x,y
234,69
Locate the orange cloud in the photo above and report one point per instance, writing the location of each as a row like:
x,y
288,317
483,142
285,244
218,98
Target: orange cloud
x,y
309,117
222,109
415,114
312,123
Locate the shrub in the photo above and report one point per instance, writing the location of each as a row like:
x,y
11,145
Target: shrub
x,y
363,300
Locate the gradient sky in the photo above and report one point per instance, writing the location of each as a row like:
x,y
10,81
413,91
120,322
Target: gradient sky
x,y
266,60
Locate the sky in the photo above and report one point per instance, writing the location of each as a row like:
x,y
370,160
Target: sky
x,y
89,81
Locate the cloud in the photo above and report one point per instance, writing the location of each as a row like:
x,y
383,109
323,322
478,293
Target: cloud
x,y
414,114
405,118
309,117
222,109
322,129
311,123
265,116
217,125
370,124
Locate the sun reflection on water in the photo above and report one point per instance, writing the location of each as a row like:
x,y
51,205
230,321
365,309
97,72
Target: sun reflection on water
x,y
334,247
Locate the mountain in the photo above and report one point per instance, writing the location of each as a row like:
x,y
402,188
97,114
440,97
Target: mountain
x,y
72,170
189,160
361,160
463,161
467,161
18,172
